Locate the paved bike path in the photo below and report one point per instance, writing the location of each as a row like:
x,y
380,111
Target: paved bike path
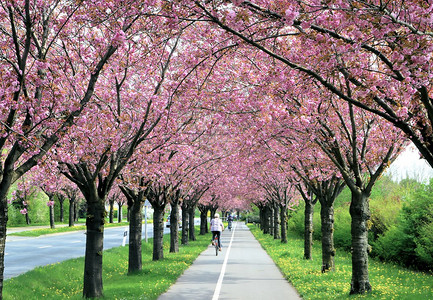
x,y
243,270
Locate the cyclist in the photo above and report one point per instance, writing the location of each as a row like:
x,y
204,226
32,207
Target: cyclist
x,y
230,221
216,226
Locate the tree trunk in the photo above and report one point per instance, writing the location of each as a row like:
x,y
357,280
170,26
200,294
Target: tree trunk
x,y
119,213
191,214
213,211
266,220
276,227
135,229
111,214
184,225
283,217
93,287
71,212
271,219
203,221
174,228
308,229
360,214
62,215
76,210
262,218
27,218
158,232
52,224
327,222
3,222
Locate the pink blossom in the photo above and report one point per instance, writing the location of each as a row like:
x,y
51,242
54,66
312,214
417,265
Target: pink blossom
x,y
23,211
290,15
231,15
119,39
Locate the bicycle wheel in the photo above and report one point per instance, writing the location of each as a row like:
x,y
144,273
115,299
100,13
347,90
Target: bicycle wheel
x,y
216,246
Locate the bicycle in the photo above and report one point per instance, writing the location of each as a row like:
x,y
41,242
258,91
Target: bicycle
x,y
215,243
230,225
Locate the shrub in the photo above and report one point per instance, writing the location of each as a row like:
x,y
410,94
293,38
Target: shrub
x,y
410,241
394,246
37,209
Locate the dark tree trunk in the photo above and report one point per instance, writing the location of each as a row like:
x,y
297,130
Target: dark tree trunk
x,y
263,226
71,212
267,218
111,213
191,213
3,222
174,227
271,219
76,210
308,230
135,229
213,211
283,217
185,227
62,214
276,227
93,287
158,232
119,213
203,220
262,218
360,214
128,213
27,218
327,222
52,224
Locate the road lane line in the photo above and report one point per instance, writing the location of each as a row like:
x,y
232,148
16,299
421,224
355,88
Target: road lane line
x,y
216,294
42,247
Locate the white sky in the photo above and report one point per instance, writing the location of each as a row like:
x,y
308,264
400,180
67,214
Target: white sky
x,y
409,164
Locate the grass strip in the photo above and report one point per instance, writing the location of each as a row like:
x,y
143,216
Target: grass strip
x,y
59,229
388,281
65,280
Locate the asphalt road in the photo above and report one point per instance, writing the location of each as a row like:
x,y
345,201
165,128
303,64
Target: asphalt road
x,y
25,253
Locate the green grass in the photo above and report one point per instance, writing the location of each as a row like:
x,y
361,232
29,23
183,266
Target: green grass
x,y
65,280
388,281
42,231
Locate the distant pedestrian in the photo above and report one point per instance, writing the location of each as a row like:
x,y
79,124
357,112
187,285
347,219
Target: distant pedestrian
x,y
230,222
216,226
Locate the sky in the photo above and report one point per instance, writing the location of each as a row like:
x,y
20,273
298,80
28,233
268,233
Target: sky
x,y
409,164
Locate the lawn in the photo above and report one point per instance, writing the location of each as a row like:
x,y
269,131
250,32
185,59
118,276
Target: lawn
x,y
65,280
388,281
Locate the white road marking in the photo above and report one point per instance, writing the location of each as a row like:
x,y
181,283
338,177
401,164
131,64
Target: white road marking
x,y
42,247
216,294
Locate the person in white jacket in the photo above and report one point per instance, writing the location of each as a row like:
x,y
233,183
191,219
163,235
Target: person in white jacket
x,y
216,226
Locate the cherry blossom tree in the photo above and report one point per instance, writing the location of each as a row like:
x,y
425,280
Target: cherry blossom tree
x,y
42,91
382,49
95,167
113,197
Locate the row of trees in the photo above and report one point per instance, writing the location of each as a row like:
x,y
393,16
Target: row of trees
x,y
211,105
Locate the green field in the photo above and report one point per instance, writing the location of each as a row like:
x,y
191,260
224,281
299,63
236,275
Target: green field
x,y
65,280
388,281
